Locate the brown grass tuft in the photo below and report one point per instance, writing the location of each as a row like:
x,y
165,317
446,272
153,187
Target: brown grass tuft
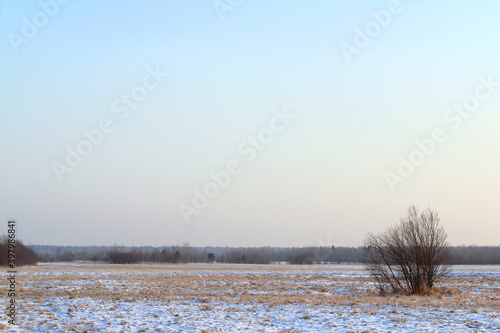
x,y
206,307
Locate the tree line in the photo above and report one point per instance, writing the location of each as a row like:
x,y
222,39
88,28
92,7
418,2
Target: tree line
x,y
458,255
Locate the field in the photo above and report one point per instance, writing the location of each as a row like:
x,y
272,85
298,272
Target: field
x,y
244,298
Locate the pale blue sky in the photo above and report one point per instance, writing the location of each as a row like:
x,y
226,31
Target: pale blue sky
x,y
323,176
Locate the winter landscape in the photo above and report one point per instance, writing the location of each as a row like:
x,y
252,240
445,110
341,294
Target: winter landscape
x,y
83,297
249,166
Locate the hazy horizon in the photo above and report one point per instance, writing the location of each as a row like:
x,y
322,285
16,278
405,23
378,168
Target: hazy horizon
x,y
247,123
222,246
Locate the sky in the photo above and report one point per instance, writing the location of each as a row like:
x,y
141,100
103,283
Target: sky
x,y
247,123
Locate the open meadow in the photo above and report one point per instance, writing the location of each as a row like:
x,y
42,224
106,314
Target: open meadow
x,y
81,297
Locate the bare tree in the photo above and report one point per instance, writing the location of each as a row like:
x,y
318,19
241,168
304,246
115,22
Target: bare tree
x,y
409,257
211,258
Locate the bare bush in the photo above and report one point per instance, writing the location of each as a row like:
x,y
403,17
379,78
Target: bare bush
x,y
24,255
130,257
304,257
409,257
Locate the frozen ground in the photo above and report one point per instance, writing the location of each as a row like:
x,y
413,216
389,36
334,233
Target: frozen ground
x,y
244,298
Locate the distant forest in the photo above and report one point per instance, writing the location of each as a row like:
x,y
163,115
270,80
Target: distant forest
x,y
459,255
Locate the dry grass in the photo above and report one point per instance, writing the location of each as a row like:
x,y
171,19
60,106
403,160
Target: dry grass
x,y
205,307
273,285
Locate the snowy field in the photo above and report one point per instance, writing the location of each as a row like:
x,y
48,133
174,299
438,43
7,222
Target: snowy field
x,y
244,298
